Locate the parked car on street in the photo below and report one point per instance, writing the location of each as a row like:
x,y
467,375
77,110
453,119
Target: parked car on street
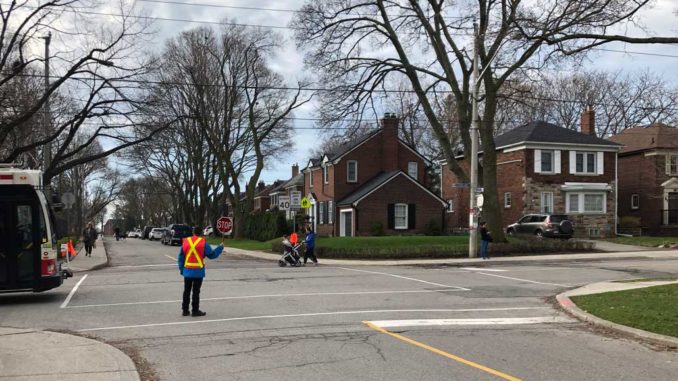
x,y
208,231
175,233
146,232
156,233
135,234
542,225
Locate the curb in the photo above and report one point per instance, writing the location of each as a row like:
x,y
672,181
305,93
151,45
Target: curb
x,y
570,307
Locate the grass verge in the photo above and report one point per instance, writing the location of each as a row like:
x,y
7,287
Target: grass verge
x,y
651,309
644,241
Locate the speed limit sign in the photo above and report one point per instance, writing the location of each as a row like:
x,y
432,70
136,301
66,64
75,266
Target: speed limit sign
x,y
225,225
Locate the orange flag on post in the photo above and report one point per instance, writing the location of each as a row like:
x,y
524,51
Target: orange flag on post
x,y
71,249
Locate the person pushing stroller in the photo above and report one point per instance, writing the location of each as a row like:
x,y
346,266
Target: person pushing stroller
x,y
290,253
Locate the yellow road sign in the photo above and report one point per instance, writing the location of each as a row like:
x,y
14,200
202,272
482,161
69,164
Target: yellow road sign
x,y
305,204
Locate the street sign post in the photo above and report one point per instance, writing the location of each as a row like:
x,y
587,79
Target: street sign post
x,y
225,225
284,202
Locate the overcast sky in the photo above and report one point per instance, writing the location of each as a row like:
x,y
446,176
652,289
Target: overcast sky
x,y
661,19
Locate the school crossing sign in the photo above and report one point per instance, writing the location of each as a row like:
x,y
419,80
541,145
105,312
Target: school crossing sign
x,y
305,203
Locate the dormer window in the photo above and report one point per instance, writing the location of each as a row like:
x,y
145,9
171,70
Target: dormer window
x,y
413,169
310,179
326,177
352,171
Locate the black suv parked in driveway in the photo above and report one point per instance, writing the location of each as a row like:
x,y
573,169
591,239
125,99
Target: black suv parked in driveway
x,y
175,233
543,225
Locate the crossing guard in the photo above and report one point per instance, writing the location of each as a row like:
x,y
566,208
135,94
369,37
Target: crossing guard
x,y
191,262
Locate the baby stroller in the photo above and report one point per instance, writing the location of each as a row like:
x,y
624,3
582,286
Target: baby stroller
x,y
290,254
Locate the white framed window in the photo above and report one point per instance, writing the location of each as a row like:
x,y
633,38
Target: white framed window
x,y
546,161
326,175
274,200
546,202
310,179
672,165
635,201
400,214
585,162
586,202
507,200
450,206
413,169
330,212
352,171
321,213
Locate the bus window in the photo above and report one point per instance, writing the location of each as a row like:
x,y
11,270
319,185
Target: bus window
x,y
24,231
43,227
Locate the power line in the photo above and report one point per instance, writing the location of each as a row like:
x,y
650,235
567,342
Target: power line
x,y
638,53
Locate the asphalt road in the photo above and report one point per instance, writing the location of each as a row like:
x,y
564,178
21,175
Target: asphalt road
x,y
347,323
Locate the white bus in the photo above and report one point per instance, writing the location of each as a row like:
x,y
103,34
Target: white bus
x,y
29,251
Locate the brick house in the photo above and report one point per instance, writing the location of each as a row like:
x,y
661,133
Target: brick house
x,y
544,168
648,177
262,199
377,180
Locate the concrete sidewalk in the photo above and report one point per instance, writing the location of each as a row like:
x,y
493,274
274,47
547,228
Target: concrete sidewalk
x,y
99,259
566,303
654,254
35,355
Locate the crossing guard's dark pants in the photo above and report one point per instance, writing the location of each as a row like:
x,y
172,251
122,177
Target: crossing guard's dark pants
x,y
195,284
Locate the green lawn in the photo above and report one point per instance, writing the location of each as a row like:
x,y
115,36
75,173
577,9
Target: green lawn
x,y
652,309
644,241
390,242
245,244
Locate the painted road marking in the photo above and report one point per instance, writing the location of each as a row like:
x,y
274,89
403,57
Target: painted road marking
x,y
482,269
483,321
524,280
70,294
271,296
185,322
163,265
404,277
171,257
443,353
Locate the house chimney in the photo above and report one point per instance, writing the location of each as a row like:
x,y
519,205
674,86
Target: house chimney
x,y
261,186
295,169
588,121
389,153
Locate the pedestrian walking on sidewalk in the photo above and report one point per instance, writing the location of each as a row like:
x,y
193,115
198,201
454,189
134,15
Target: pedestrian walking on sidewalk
x,y
191,261
309,241
89,237
485,239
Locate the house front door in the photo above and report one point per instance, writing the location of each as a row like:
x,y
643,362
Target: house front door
x,y
346,223
673,208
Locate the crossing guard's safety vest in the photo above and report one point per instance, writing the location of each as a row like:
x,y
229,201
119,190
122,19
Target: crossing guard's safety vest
x,y
194,252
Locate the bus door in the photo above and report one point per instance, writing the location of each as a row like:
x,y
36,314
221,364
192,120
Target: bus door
x,y
19,244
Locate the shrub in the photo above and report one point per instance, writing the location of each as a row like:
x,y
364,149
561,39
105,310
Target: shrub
x,y
433,228
376,228
264,226
627,222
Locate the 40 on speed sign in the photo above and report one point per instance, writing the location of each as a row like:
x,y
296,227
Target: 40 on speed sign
x,y
225,225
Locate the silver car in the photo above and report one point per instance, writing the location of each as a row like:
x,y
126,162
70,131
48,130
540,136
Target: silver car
x,y
156,233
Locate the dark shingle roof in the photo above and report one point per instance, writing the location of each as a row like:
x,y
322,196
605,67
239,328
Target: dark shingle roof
x,y
368,187
647,138
343,148
543,132
295,181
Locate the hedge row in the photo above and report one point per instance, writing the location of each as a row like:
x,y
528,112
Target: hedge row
x,y
515,247
264,226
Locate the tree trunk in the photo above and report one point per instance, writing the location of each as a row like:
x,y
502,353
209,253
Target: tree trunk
x,y
492,212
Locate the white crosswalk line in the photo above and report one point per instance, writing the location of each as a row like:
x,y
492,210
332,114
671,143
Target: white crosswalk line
x,y
482,321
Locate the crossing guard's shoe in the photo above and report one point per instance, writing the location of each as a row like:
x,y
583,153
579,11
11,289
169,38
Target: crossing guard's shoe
x,y
185,313
199,313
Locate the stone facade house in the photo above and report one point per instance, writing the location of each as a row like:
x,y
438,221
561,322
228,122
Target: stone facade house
x,y
544,168
372,184
648,177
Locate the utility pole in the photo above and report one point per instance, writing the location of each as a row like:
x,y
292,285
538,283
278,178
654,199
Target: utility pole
x,y
473,216
47,154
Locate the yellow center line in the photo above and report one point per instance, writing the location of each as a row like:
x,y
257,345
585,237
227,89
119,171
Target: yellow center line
x,y
442,353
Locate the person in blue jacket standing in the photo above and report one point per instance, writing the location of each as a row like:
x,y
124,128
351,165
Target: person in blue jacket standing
x,y
309,241
191,261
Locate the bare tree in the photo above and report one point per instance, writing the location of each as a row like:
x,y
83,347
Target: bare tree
x,y
358,46
91,91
